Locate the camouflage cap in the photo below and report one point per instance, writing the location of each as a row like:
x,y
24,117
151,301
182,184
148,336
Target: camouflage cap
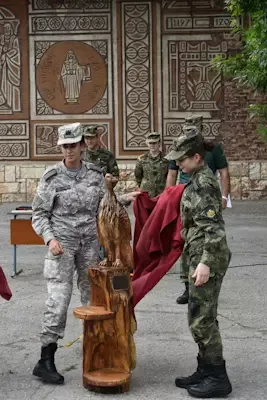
x,y
196,120
191,129
90,131
184,144
68,134
153,137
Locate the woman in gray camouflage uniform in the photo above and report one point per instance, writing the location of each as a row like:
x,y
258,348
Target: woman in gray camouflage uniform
x,y
64,214
207,254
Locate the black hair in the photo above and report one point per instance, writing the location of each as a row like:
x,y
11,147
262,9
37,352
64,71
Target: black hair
x,y
209,145
201,148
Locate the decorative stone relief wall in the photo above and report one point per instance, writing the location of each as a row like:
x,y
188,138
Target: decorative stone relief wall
x,y
191,38
137,73
131,67
14,110
71,66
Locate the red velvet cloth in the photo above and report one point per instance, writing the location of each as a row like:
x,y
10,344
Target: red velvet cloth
x,y
5,292
157,238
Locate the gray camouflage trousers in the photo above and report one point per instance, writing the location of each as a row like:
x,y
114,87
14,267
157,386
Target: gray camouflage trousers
x,y
59,272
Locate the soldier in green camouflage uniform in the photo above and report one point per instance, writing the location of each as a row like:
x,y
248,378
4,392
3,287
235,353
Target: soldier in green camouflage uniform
x,y
101,157
196,123
207,254
216,161
151,169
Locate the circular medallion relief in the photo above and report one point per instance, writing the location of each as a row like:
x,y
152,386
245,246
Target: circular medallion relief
x,y
71,77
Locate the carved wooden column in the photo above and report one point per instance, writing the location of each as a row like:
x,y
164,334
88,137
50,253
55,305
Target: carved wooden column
x,y
108,345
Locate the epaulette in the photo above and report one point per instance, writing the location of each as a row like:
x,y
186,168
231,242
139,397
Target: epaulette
x,y
93,167
202,184
48,174
196,184
105,151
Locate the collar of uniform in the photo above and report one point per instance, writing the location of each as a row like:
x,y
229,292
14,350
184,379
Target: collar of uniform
x,y
156,157
93,152
82,172
199,170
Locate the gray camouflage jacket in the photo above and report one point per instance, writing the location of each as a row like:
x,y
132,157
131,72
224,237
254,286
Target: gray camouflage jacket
x,y
66,206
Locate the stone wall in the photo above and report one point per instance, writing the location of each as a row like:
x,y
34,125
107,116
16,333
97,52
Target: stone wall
x,y
18,182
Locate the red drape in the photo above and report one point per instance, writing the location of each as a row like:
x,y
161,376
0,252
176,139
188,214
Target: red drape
x,y
157,238
5,291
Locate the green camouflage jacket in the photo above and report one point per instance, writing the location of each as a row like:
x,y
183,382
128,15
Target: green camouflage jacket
x,y
203,225
104,159
151,173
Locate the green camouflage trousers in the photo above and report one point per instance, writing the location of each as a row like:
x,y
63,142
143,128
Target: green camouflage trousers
x,y
202,311
184,268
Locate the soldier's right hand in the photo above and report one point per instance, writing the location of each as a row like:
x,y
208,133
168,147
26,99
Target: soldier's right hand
x,y
55,247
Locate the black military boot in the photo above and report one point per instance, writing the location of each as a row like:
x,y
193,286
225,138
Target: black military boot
x,y
45,368
183,299
185,382
215,384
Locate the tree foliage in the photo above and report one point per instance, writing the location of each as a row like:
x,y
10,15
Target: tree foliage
x,y
249,66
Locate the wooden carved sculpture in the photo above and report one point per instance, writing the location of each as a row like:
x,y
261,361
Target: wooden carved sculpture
x,y
114,230
108,347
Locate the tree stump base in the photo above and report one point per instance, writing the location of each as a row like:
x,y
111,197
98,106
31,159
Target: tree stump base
x,y
108,346
109,381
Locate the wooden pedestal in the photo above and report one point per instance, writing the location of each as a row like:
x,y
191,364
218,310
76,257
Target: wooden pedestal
x,y
108,345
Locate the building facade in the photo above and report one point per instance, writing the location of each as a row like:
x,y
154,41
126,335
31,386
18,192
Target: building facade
x,y
131,67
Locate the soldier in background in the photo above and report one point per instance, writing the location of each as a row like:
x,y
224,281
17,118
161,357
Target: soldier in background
x,y
103,158
152,168
207,255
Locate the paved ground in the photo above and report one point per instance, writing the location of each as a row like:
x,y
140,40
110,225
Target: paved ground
x,y
165,348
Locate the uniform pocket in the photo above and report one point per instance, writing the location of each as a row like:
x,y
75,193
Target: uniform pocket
x,y
52,266
68,201
92,199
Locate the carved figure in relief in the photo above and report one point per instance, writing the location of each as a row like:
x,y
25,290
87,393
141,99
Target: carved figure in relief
x,y
10,65
73,75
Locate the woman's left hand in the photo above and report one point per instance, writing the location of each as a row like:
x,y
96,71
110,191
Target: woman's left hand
x,y
201,274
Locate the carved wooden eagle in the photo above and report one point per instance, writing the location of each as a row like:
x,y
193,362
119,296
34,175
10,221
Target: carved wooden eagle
x,y
114,231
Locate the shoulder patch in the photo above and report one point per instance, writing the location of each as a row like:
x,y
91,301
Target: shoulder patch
x,y
51,172
142,157
93,167
211,213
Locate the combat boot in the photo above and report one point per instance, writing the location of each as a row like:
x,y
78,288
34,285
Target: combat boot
x,y
183,299
45,368
215,384
198,376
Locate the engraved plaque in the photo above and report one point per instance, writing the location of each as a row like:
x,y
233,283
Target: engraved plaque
x,y
120,282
